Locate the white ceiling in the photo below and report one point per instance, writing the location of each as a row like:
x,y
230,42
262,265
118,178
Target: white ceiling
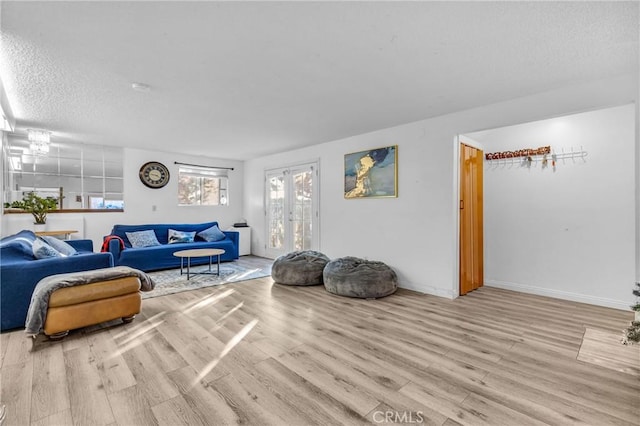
x,y
244,79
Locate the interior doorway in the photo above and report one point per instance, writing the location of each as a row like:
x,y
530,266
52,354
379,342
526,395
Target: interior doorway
x,y
471,261
291,209
560,224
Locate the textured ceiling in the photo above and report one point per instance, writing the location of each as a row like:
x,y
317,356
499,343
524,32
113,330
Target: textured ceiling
x,y
241,80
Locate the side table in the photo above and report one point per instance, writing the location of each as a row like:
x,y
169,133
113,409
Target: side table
x,y
66,233
245,239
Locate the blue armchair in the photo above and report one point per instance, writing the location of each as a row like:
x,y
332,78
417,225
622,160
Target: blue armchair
x,y
20,272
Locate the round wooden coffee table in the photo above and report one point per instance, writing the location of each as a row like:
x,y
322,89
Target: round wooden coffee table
x,y
206,252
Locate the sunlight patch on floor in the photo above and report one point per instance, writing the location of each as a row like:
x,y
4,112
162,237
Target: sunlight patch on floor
x,y
134,330
137,335
242,275
220,322
208,300
228,347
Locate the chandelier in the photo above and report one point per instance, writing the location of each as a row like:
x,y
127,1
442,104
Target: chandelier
x,y
39,141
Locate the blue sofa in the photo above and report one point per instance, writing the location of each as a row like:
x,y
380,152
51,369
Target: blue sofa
x,y
20,272
161,257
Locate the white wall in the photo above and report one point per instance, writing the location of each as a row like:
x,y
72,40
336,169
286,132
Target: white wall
x,y
638,188
387,229
139,200
415,233
567,233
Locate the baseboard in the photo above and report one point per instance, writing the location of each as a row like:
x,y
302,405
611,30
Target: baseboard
x,y
559,294
434,291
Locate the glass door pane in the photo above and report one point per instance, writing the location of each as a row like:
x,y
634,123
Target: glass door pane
x,y
302,192
276,212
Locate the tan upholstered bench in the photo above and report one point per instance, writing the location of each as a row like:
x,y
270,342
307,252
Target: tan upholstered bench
x,y
90,304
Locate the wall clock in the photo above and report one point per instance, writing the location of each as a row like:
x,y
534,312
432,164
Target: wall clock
x,y
154,174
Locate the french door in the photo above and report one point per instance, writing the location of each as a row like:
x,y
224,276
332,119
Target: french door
x,y
291,209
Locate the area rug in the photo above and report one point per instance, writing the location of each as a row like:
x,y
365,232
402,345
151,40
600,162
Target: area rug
x,y
170,281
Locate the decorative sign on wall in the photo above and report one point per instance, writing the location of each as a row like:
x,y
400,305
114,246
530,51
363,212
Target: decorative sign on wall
x,y
544,154
372,173
527,152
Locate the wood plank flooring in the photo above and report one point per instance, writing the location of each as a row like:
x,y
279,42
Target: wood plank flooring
x,y
256,353
602,347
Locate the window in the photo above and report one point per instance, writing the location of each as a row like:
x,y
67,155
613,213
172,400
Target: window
x,y
202,186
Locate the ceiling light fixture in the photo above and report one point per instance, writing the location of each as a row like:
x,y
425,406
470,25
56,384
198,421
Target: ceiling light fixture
x,y
40,140
41,136
140,87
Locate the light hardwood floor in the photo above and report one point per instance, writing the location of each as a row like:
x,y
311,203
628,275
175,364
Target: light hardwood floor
x,y
257,353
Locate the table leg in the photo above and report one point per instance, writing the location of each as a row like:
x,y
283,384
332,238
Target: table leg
x,y
218,265
188,267
210,263
181,264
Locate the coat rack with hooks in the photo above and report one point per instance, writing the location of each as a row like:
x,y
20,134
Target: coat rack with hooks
x,y
546,155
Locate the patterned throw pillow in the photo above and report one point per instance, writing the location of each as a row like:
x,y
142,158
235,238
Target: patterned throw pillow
x,y
42,250
212,234
141,239
181,236
63,248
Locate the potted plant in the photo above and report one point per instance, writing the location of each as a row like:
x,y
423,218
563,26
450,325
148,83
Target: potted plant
x,y
632,333
36,205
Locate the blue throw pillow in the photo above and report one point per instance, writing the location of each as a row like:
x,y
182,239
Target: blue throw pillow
x,y
142,239
22,242
181,236
63,248
42,250
212,234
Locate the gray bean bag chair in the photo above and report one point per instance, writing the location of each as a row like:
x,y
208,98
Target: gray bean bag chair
x,y
354,277
299,268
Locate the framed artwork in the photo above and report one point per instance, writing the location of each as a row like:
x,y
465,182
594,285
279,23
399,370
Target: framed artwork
x,y
372,173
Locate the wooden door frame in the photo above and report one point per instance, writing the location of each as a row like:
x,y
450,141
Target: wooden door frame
x,y
457,140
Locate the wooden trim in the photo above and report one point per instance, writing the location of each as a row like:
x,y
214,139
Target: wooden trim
x,y
71,211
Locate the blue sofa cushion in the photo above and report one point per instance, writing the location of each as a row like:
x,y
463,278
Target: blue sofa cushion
x,y
60,246
212,234
18,246
42,250
181,236
141,239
